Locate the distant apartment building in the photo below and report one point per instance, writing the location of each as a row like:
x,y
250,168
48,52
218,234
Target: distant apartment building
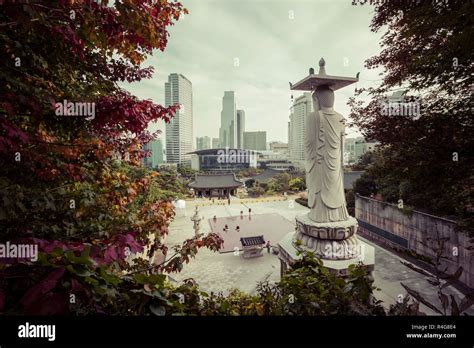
x,y
227,131
179,131
354,148
255,140
240,129
302,107
215,143
156,154
203,143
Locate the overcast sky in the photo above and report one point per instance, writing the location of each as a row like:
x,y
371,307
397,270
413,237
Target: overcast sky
x,y
275,41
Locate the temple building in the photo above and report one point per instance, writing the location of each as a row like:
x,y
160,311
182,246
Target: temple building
x,y
215,185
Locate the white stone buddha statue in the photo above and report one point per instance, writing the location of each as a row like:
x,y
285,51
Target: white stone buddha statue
x,y
324,154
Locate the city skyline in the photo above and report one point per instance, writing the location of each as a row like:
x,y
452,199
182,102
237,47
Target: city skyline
x,y
257,58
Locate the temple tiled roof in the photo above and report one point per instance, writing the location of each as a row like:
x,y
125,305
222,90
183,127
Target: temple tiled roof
x,y
202,181
249,241
266,175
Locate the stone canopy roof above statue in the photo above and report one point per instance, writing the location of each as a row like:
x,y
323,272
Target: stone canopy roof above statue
x,y
209,181
313,81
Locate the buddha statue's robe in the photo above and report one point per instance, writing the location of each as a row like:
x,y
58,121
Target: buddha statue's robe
x,y
324,170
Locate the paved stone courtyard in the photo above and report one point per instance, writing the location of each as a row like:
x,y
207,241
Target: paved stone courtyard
x,y
221,272
252,225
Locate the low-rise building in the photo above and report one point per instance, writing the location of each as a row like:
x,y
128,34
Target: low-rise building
x,y
279,147
354,148
274,160
223,160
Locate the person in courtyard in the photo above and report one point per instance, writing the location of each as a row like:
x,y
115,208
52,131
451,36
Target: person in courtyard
x,y
237,228
268,246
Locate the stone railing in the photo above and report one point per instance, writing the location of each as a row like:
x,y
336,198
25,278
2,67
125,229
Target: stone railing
x,y
415,231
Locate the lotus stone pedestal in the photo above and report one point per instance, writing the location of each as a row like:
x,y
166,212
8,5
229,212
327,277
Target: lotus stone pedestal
x,y
335,243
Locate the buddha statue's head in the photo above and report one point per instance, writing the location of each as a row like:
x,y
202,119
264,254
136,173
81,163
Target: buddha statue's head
x,y
325,96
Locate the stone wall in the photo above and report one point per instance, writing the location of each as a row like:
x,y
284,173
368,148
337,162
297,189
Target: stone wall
x,y
387,224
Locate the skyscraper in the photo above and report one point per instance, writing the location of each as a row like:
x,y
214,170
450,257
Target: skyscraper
x,y
302,106
179,131
255,141
203,143
156,153
227,132
232,134
215,143
240,129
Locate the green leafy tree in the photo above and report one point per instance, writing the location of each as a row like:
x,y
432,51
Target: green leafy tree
x,y
247,173
256,190
307,289
425,158
365,185
273,186
283,180
297,184
74,185
350,202
367,159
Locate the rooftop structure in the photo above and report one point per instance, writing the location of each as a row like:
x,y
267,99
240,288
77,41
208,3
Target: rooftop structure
x,y
223,159
215,185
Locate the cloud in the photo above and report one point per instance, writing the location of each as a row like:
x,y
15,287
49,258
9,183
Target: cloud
x,y
272,49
